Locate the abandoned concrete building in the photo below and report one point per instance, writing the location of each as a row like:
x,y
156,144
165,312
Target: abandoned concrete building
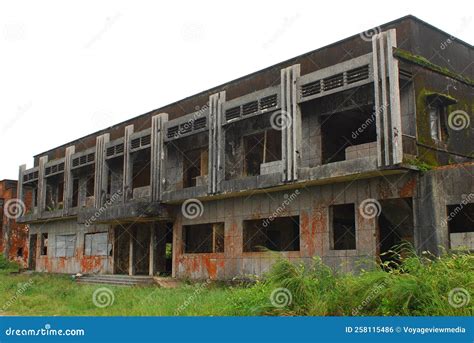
x,y
13,237
342,153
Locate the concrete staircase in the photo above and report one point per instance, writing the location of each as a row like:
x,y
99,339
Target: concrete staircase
x,y
116,280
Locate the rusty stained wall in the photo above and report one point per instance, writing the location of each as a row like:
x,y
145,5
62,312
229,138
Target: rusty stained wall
x,y
18,234
79,263
312,206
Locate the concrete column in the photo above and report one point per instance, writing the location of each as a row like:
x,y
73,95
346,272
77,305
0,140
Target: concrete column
x,y
68,180
152,250
157,155
131,267
19,187
127,164
387,99
41,184
291,123
101,174
216,142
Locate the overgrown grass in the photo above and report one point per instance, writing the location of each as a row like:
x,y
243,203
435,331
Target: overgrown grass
x,y
413,286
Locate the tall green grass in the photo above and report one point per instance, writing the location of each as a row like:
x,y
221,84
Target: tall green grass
x,y
413,286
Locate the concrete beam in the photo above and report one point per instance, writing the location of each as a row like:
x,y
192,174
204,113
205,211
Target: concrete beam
x,y
157,155
19,187
101,172
290,119
68,179
127,164
387,99
42,184
216,142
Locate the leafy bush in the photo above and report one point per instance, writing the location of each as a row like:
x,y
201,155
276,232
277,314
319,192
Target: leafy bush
x,y
407,285
5,264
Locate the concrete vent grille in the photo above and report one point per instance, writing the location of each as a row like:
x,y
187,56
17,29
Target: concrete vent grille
x,y
135,143
79,161
119,148
30,176
110,151
311,88
357,74
185,127
172,131
268,102
232,113
47,170
249,108
145,140
333,82
406,73
199,123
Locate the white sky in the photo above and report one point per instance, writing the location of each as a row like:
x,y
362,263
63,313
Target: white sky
x,y
70,68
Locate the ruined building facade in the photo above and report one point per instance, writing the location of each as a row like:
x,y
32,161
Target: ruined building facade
x,y
13,237
341,153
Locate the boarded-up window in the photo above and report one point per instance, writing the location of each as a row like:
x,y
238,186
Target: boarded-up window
x,y
65,245
95,244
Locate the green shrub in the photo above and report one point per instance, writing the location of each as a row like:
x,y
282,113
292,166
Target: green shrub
x,y
7,265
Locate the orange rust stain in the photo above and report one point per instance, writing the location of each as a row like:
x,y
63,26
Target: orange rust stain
x,y
91,263
407,189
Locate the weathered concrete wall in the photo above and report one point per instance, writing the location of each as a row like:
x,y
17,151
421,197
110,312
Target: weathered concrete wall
x,y
312,207
13,236
79,263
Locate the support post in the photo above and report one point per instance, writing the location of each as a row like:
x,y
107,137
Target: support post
x,y
127,164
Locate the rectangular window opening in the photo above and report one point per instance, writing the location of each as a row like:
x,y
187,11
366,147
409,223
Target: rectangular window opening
x,y
343,235
44,244
204,238
261,148
277,234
